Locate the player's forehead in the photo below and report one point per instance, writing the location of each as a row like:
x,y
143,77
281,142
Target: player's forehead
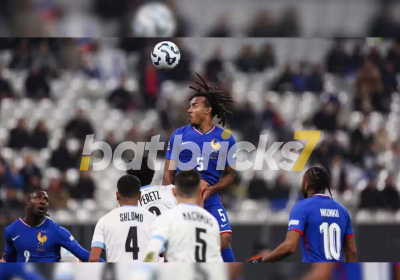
x,y
39,194
197,100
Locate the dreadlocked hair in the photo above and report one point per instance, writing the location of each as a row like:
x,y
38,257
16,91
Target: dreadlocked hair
x,y
319,179
215,98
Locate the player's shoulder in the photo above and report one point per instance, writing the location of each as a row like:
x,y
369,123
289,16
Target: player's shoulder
x,y
182,129
13,226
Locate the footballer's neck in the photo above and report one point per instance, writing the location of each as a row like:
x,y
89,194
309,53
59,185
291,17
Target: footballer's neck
x,y
128,202
183,200
206,125
32,220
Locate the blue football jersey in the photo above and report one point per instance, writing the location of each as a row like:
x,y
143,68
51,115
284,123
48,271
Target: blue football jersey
x,y
364,271
41,243
10,271
323,224
211,153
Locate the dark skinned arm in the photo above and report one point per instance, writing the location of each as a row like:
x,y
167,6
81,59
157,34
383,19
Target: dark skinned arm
x,y
319,271
284,250
95,254
223,183
349,249
169,174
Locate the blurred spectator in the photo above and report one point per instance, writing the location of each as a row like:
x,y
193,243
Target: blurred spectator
x,y
59,195
266,58
384,25
71,55
389,79
284,81
368,83
247,60
264,25
89,68
61,157
394,56
22,56
25,21
279,195
326,117
257,188
289,25
120,98
84,188
44,60
39,138
356,60
315,81
12,183
222,27
36,85
390,195
31,174
110,140
271,120
5,87
300,79
337,60
370,197
214,66
322,155
381,139
19,136
79,126
246,121
338,174
375,57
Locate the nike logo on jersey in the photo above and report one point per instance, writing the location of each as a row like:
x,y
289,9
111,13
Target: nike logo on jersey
x,y
183,143
224,225
15,238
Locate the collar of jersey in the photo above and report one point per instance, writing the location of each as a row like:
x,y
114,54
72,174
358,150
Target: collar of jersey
x,y
190,204
201,133
321,195
145,187
22,221
129,206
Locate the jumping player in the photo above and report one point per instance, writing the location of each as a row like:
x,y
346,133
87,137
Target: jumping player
x,y
204,106
154,198
37,238
322,225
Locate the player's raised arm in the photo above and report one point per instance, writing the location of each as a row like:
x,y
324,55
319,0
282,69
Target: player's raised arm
x,y
11,253
68,242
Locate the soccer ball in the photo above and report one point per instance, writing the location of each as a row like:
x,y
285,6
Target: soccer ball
x,y
165,55
154,20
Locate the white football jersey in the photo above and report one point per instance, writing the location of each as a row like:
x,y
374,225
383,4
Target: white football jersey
x,y
157,199
124,233
192,234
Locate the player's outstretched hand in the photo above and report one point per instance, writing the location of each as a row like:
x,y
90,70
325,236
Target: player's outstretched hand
x,y
204,192
2,260
259,257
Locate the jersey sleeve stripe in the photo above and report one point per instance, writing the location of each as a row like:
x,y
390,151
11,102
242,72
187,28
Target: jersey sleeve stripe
x,y
163,239
99,244
225,231
349,235
299,231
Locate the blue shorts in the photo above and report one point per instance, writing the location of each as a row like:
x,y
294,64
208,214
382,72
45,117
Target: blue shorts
x,y
219,212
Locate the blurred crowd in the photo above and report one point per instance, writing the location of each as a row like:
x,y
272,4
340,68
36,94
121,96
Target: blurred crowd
x,y
361,152
105,18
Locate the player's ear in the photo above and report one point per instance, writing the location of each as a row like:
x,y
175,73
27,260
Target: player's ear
x,y
139,195
117,195
306,185
174,191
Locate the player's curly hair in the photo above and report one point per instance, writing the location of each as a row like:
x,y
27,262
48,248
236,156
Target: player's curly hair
x,y
215,98
319,179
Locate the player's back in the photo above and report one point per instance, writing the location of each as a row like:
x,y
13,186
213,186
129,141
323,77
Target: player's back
x,y
125,232
326,224
192,234
157,199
